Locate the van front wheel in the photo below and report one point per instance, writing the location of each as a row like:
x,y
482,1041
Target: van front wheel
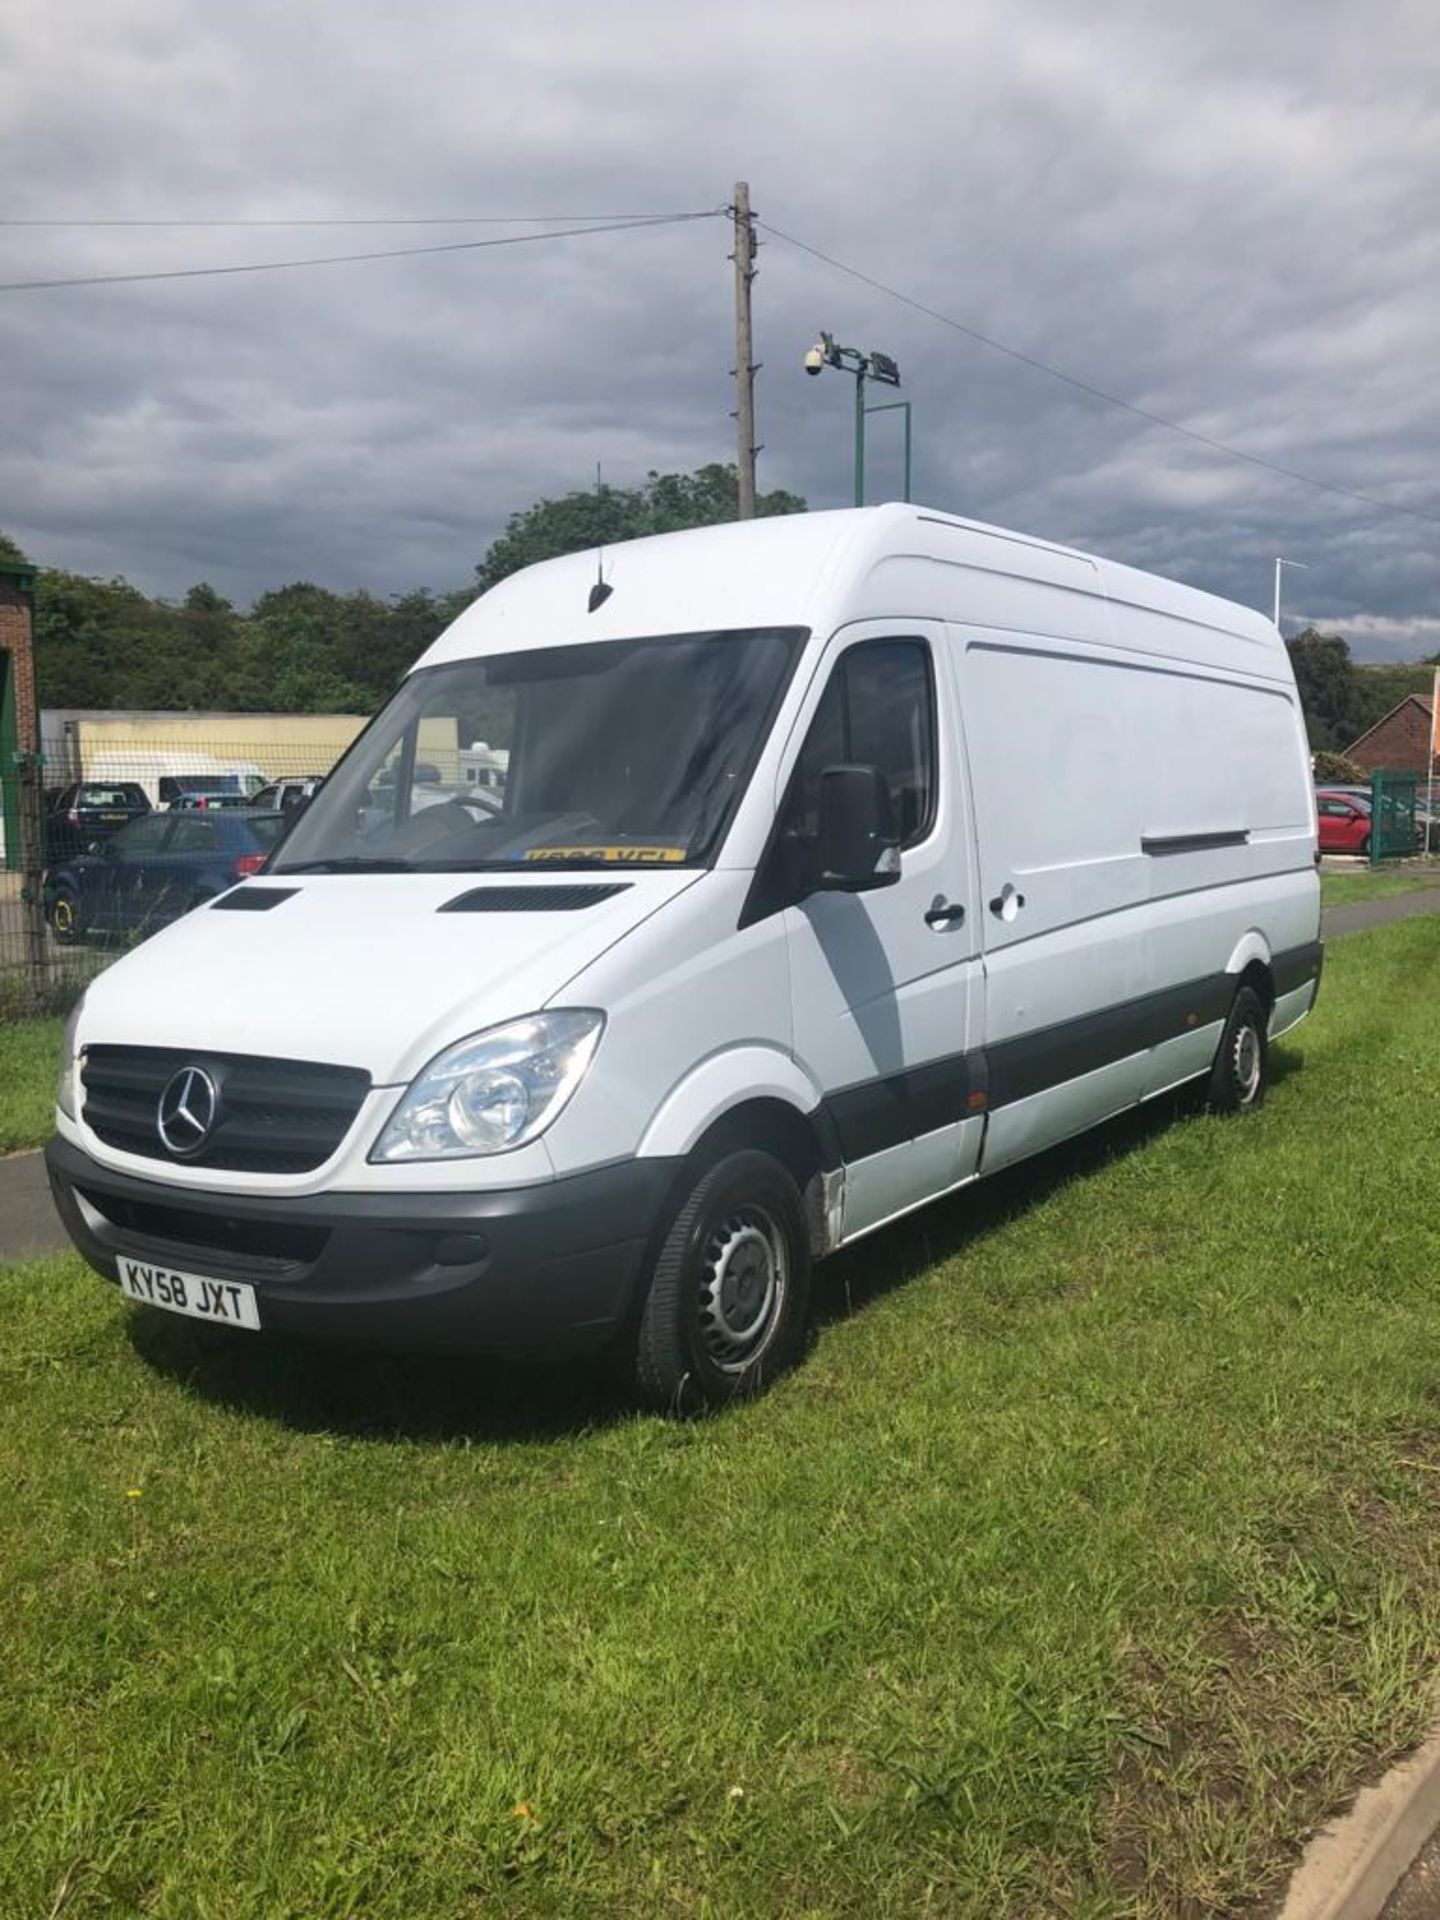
x,y
729,1292
1238,1077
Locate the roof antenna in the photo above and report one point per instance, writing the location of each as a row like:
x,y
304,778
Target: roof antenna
x,y
602,590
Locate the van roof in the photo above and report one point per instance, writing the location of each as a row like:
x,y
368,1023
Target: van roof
x,y
821,570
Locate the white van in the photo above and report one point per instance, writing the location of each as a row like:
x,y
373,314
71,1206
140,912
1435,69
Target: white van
x,y
839,861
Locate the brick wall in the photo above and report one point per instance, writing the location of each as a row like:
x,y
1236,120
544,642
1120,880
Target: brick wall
x,y
15,639
1400,742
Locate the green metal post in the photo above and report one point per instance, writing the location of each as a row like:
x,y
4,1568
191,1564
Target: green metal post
x,y
860,437
1377,794
899,406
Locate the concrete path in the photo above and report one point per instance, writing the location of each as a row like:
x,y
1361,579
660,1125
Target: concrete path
x,y
1335,921
28,1221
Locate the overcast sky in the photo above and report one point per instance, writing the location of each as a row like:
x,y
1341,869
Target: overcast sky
x,y
1226,215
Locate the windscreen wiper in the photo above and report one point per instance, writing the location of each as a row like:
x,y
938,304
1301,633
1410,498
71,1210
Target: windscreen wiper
x,y
555,863
349,863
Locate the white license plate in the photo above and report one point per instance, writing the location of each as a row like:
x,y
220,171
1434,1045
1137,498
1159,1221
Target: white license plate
x,y
228,1303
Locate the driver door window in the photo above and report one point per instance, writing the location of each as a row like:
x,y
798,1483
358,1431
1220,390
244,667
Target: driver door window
x,y
878,710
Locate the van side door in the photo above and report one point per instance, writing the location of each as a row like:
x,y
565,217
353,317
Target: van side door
x,y
1062,882
883,982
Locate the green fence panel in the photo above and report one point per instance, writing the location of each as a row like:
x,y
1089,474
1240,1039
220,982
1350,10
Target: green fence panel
x,y
1394,834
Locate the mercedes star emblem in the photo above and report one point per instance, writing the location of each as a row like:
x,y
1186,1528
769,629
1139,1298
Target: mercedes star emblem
x,y
187,1111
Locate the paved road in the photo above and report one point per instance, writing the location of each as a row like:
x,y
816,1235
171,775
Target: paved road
x,y
28,1223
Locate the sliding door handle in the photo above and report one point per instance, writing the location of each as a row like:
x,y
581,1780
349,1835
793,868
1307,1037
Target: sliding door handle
x,y
1007,903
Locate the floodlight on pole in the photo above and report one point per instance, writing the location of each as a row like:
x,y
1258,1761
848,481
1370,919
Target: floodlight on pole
x,y
880,368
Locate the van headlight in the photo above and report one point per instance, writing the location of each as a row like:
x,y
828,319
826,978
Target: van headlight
x,y
66,1096
494,1091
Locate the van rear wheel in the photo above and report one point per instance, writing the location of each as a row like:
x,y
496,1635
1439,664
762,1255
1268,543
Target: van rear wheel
x,y
1242,1060
728,1299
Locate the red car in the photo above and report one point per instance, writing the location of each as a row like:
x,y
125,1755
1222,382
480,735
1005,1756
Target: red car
x,y
1344,821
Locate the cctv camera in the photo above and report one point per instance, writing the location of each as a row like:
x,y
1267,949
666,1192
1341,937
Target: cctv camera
x,y
815,358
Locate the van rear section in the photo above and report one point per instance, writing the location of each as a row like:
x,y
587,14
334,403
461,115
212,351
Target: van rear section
x,y
820,868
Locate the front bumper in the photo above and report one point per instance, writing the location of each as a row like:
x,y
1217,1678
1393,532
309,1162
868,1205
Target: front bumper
x,y
547,1269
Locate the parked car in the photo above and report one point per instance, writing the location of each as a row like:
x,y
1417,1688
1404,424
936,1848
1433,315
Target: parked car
x,y
289,796
151,872
88,811
1344,818
186,789
201,802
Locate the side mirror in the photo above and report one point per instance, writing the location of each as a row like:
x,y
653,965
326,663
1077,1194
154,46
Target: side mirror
x,y
859,848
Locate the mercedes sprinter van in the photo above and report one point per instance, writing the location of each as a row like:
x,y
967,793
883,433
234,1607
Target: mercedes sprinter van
x,y
837,861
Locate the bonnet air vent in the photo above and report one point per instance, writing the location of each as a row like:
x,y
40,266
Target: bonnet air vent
x,y
253,899
531,899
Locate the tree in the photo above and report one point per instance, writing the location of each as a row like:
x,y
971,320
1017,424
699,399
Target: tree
x,y
602,516
11,551
1329,689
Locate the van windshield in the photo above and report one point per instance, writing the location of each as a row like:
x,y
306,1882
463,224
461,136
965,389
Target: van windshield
x,y
613,753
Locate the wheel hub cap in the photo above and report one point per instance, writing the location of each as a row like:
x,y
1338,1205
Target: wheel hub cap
x,y
742,1287
1247,1062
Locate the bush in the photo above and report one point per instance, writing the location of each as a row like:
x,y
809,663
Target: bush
x,y
1332,766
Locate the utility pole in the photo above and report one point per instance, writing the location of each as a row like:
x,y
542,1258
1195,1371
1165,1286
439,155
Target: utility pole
x,y
745,368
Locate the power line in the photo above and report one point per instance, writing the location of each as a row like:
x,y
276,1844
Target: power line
x,y
1097,393
342,259
385,220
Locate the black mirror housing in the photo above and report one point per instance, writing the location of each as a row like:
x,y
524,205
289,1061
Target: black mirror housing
x,y
859,848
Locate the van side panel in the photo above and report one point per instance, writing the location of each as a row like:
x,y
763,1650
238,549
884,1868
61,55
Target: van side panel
x,y
1136,817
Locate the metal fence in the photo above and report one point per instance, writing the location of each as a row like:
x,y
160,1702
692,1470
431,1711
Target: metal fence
x,y
1397,823
136,830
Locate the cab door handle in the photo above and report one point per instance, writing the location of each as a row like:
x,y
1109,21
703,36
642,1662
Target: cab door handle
x,y
945,913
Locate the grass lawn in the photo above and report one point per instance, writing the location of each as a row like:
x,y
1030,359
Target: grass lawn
x,y
29,1055
1093,1555
1340,889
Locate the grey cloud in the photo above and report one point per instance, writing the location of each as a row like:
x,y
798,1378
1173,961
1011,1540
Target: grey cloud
x,y
1224,218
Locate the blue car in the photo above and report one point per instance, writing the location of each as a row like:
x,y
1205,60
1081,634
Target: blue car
x,y
152,871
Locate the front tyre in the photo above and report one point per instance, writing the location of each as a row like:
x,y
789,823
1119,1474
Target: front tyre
x,y
728,1300
1242,1060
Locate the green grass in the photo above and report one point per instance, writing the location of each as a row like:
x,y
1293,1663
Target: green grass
x,y
29,1057
1342,889
1093,1556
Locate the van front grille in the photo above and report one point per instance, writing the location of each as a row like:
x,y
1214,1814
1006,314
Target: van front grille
x,y
272,1116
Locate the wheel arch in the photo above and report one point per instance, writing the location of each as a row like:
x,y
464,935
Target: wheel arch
x,y
1250,965
724,1107
757,1082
